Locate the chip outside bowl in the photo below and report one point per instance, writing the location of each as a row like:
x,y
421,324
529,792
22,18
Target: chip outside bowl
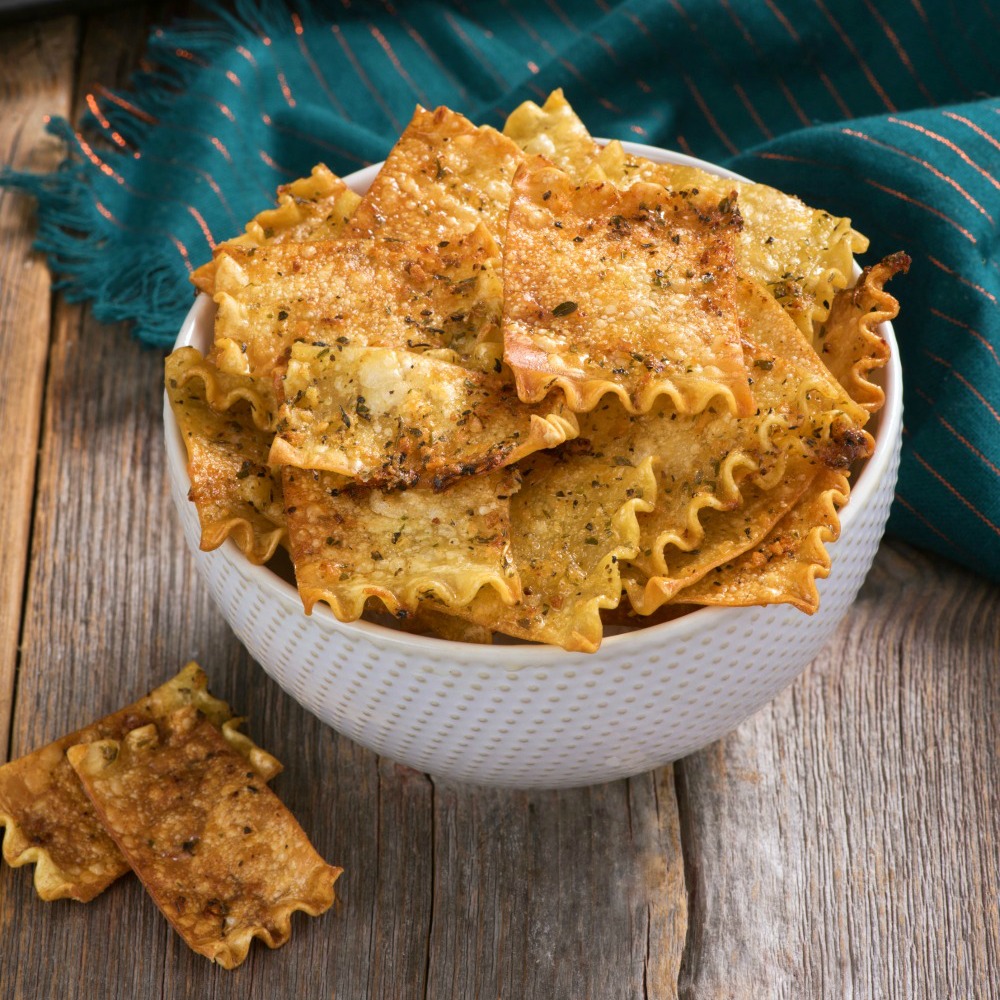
x,y
529,715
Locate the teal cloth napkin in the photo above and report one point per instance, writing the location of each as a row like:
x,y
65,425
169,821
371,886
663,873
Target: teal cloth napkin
x,y
886,113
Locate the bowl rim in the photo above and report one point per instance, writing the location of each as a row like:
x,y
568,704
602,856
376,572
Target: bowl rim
x,y
885,427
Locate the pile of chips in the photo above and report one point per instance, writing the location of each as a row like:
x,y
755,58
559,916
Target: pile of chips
x,y
529,385
169,788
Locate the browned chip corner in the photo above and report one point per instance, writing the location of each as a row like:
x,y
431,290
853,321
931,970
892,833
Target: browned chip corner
x,y
221,856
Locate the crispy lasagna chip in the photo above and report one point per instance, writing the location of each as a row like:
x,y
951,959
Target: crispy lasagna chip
x,y
630,293
573,521
222,858
800,253
316,207
849,342
442,178
375,293
555,132
387,417
705,461
350,543
727,534
51,824
782,569
231,483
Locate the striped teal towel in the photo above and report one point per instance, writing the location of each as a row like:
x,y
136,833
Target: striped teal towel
x,y
886,113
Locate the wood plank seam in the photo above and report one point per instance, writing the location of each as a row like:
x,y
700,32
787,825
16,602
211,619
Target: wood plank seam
x,y
30,539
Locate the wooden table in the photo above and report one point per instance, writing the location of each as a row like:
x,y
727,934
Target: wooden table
x,y
844,842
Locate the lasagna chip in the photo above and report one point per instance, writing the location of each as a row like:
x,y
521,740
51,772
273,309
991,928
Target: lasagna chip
x,y
555,132
850,344
222,858
705,461
375,293
350,543
231,483
573,521
630,293
442,178
783,568
316,207
727,534
800,253
51,824
388,417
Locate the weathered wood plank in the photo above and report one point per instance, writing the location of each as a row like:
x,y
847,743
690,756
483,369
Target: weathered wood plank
x,y
846,840
36,78
558,894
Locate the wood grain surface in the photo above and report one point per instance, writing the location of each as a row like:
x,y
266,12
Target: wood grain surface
x,y
844,842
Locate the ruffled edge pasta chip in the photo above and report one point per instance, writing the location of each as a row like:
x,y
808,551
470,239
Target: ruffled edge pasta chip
x,y
562,599
726,535
784,567
223,390
393,418
358,292
221,856
849,343
345,542
315,207
231,484
46,772
625,292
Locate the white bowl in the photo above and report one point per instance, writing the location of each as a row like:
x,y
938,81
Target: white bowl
x,y
531,715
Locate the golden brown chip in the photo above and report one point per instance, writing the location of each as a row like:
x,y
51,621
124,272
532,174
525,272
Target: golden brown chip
x,y
705,461
850,344
555,132
223,390
51,824
628,293
316,207
442,178
386,417
231,484
727,534
222,858
782,569
350,543
438,623
573,521
800,253
375,293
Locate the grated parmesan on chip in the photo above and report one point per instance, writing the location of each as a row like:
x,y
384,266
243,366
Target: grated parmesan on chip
x,y
222,858
704,461
628,293
800,253
350,543
317,207
49,821
442,178
388,417
338,293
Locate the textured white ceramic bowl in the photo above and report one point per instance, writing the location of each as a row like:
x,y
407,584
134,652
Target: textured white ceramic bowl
x,y
528,715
